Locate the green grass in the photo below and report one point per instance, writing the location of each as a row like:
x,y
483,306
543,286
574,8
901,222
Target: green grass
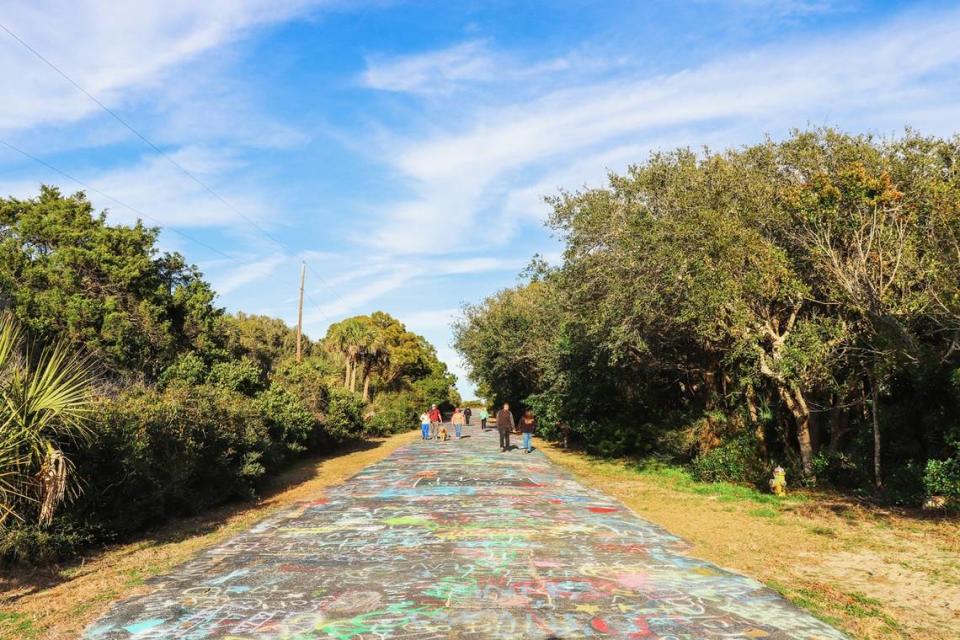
x,y
680,479
825,605
17,625
764,512
827,532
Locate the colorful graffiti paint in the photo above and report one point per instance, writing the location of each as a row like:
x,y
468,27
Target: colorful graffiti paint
x,y
456,540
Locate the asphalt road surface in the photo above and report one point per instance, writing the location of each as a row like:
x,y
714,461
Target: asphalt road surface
x,y
456,540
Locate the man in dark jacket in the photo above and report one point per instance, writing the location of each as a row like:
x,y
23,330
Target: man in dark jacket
x,y
466,414
505,425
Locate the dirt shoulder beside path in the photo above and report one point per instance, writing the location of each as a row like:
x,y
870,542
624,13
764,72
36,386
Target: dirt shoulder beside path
x,y
875,573
59,602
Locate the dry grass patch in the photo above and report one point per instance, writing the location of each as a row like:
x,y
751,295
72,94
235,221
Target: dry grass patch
x,y
58,602
875,573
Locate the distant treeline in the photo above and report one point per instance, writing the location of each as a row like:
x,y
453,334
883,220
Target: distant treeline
x,y
129,396
793,303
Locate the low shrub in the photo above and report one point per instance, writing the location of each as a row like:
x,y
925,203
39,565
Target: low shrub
x,y
737,460
242,376
290,424
392,413
167,453
942,478
189,369
343,415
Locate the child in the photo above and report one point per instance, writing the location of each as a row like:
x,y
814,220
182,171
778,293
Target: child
x,y
425,425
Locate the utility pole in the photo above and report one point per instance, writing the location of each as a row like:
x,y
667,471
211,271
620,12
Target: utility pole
x,y
303,275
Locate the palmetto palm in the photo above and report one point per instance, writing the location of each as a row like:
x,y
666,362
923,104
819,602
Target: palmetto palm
x,y
44,402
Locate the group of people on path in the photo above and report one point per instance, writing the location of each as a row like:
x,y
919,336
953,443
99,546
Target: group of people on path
x,y
506,426
431,425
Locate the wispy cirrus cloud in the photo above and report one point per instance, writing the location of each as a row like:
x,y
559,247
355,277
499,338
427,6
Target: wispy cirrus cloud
x,y
113,49
432,72
875,77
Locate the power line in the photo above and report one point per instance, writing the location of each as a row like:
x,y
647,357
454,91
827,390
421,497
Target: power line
x,y
137,211
137,133
111,198
160,151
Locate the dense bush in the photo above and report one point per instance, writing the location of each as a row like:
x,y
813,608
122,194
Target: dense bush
x,y
188,369
942,478
393,413
737,460
159,454
241,376
343,418
291,425
165,453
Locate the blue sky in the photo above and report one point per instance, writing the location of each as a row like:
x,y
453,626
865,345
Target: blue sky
x,y
403,148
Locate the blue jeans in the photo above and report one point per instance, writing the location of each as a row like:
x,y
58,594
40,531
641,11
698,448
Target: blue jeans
x,y
526,441
425,428
457,428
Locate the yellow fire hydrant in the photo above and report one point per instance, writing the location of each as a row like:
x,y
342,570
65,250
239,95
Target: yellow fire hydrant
x,y
778,483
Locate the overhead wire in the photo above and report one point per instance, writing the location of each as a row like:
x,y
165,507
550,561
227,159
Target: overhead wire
x,y
162,153
107,196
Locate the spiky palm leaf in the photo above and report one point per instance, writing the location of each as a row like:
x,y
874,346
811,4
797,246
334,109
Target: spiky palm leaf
x,y
44,401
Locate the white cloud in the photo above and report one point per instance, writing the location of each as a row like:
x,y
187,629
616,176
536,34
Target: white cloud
x,y
431,72
427,320
471,168
112,48
157,188
246,272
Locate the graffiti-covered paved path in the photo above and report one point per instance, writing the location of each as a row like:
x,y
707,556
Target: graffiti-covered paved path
x,y
456,540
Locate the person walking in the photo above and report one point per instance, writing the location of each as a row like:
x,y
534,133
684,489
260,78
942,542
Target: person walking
x,y
483,419
505,425
458,421
528,425
466,415
435,419
425,425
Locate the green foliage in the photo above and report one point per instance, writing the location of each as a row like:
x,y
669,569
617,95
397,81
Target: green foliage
x,y
242,376
806,292
189,369
264,340
736,460
68,275
291,425
32,544
942,478
344,415
394,413
201,405
45,405
379,355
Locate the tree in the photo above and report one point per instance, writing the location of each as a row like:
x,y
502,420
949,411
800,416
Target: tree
x,y
787,294
68,275
45,400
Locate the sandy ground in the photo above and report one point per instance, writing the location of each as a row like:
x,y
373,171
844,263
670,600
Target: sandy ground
x,y
58,603
875,573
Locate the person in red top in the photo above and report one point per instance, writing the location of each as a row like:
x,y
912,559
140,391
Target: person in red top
x,y
435,419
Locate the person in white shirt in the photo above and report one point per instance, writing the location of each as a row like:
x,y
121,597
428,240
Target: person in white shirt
x,y
425,425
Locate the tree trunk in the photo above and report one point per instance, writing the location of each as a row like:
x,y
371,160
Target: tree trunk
x,y
353,376
346,375
877,476
797,406
755,420
366,384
